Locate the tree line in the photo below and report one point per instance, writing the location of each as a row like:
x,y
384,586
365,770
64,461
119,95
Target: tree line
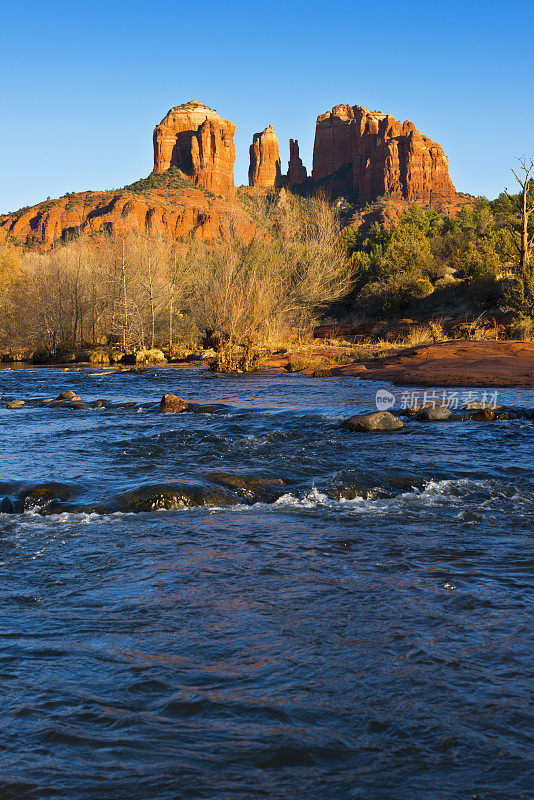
x,y
141,291
481,258
138,291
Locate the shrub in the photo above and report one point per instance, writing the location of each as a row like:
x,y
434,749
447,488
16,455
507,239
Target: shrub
x,y
486,292
394,295
523,329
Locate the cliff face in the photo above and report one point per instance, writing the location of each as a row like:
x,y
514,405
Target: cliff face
x,y
173,213
296,172
264,169
196,140
356,151
192,139
375,155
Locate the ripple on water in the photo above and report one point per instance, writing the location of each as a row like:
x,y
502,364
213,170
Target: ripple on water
x,y
254,603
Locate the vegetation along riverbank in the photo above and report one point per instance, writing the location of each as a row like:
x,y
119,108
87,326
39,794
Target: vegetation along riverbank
x,y
183,264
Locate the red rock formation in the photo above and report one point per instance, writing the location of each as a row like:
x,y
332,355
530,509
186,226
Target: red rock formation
x,y
196,140
264,169
451,364
375,155
174,213
358,151
296,172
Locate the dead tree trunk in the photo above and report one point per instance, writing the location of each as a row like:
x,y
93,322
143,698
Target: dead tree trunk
x,y
526,238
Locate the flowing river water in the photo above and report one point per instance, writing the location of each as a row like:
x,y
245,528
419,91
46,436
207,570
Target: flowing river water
x,y
251,602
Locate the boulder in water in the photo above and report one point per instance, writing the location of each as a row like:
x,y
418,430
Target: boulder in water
x,y
69,396
412,411
15,404
251,487
171,404
48,498
375,422
484,415
169,496
7,506
477,405
434,414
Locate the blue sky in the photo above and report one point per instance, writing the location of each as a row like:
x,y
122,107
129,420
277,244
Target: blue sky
x,y
83,84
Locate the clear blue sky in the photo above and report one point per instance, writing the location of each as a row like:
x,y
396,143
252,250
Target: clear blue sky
x,y
83,84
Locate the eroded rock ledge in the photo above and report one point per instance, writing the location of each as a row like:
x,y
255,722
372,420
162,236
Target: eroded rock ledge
x,y
459,363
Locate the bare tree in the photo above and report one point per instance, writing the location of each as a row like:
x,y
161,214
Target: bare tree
x,y
124,295
525,246
244,292
181,272
320,271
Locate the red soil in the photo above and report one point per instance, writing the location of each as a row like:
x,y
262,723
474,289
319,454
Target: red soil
x,y
457,363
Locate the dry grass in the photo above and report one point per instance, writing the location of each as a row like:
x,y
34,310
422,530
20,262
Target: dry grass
x,y
298,363
321,355
418,337
523,330
301,360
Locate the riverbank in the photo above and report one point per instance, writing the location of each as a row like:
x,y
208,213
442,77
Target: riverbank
x,y
450,363
459,362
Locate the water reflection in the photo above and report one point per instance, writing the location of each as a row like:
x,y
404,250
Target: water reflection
x,y
355,622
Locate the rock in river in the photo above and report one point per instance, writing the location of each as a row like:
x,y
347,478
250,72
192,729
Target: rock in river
x,y
7,506
434,414
378,421
172,404
477,405
484,415
69,396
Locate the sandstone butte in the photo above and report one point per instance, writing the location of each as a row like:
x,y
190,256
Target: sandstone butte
x,y
189,193
265,169
368,154
196,140
191,189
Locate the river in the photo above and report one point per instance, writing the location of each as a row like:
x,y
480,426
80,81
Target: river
x,y
252,602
